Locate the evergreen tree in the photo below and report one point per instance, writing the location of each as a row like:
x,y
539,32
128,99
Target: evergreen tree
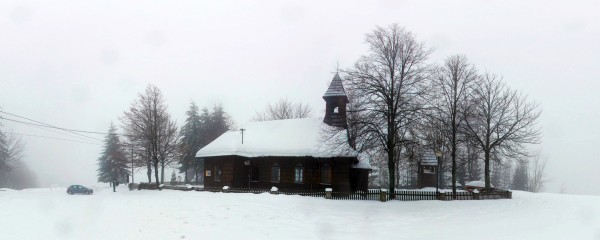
x,y
520,179
173,178
218,123
212,125
191,136
112,164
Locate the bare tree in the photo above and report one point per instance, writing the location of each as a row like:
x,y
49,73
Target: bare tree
x,y
11,152
453,81
148,124
520,177
536,174
501,121
19,177
283,109
389,81
168,139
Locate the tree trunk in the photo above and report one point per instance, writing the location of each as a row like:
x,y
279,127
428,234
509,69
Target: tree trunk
x,y
453,155
487,169
156,172
162,171
132,179
149,170
186,175
391,173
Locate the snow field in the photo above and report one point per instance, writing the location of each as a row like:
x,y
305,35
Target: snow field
x,y
170,214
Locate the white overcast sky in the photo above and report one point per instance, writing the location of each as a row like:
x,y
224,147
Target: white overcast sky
x,y
79,64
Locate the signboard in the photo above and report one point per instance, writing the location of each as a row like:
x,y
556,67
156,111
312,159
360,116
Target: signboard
x,y
208,173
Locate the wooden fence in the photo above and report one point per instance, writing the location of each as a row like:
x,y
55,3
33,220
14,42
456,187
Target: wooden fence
x,y
494,194
405,195
371,194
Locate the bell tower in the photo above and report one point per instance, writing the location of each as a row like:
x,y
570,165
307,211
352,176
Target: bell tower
x,y
335,104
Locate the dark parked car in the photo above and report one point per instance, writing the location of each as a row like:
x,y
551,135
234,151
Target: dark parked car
x,y
78,189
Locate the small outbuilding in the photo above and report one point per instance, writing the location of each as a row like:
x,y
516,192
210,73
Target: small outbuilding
x,y
427,170
472,185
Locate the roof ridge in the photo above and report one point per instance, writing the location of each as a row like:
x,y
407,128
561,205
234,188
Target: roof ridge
x,y
336,87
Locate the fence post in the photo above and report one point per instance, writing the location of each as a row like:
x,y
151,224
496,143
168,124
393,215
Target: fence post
x,y
383,195
328,193
442,195
475,194
274,190
509,194
225,189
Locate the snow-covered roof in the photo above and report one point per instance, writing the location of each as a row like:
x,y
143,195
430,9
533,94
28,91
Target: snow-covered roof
x,y
362,163
480,184
429,158
335,88
284,138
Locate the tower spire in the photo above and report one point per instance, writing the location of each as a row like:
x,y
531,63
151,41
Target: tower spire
x,y
335,103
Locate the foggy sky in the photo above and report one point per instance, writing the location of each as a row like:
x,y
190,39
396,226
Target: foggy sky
x,y
80,64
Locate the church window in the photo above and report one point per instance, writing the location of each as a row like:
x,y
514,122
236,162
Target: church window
x,y
275,173
254,174
217,173
325,174
298,173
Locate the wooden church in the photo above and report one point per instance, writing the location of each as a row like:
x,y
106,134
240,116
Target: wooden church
x,y
294,154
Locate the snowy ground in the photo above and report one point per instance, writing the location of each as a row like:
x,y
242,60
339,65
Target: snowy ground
x,y
170,214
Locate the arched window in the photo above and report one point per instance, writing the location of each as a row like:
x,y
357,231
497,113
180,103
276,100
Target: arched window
x,y
336,110
298,173
275,173
325,174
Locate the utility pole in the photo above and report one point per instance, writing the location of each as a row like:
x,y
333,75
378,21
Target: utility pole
x,y
132,180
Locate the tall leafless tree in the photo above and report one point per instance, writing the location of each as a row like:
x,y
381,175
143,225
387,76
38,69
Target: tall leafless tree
x,y
283,109
390,80
537,174
149,125
11,152
453,82
501,121
168,139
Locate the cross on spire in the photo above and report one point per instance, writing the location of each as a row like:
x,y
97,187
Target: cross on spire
x,y
242,130
337,68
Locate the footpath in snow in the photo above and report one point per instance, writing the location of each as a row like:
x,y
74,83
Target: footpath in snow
x,y
170,214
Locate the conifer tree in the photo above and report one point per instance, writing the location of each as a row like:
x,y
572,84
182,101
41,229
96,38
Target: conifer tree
x,y
112,164
190,140
520,179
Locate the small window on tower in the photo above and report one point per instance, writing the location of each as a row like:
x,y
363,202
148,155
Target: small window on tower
x,y
336,110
